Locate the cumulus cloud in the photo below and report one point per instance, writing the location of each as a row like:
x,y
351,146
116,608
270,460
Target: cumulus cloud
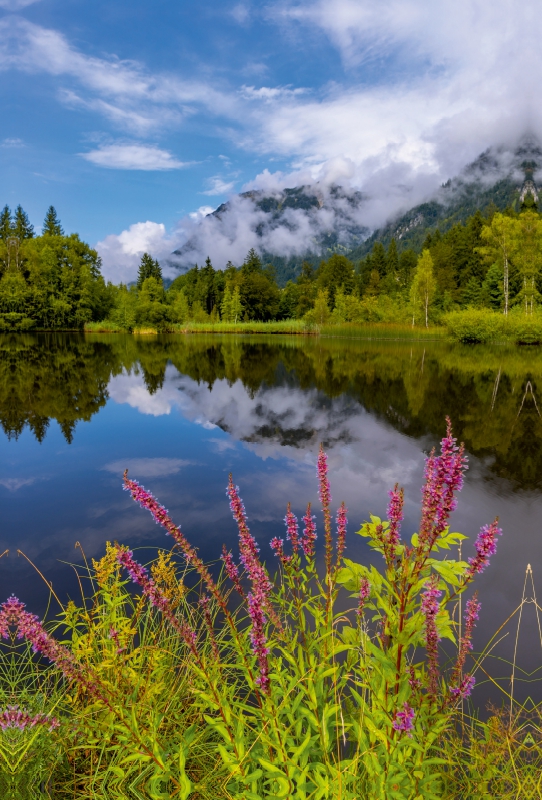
x,y
122,253
133,156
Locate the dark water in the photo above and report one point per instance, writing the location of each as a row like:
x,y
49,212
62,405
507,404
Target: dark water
x,y
181,412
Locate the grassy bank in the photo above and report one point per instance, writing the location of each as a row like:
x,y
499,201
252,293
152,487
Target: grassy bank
x,y
289,326
351,330
469,326
291,679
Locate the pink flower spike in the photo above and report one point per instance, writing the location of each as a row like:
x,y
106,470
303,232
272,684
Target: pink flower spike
x,y
404,720
291,528
464,689
395,517
342,522
309,533
324,493
277,546
486,546
364,594
231,570
443,479
155,595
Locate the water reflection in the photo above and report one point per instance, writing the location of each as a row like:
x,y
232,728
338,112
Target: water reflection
x,y
182,411
298,390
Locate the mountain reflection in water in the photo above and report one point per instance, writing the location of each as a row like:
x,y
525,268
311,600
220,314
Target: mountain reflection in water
x,y
491,393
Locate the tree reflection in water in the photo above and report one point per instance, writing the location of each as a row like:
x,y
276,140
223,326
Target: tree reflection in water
x,y
491,393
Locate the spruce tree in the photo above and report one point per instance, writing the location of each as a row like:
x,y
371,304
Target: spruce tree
x,y
472,293
5,223
22,227
392,258
492,290
51,224
252,262
378,259
148,268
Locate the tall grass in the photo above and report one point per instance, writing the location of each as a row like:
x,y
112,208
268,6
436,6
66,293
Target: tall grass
x,y
382,330
316,677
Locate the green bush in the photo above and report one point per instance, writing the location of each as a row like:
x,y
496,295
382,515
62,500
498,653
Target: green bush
x,y
526,329
474,325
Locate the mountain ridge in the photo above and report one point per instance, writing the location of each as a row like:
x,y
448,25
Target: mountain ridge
x,y
332,216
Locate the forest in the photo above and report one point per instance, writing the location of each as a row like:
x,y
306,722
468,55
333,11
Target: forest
x,y
492,261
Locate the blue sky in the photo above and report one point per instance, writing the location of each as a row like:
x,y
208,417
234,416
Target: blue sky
x,y
131,116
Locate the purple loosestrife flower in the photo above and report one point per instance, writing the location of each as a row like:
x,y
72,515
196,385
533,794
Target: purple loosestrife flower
x,y
464,689
309,533
324,492
139,575
342,522
443,479
292,533
247,544
277,546
404,720
395,517
258,599
161,517
430,609
28,626
231,570
363,596
472,611
486,546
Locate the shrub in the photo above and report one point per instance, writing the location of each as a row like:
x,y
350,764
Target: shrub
x,y
474,325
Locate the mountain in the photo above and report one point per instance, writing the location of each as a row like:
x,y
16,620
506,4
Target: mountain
x,y
309,223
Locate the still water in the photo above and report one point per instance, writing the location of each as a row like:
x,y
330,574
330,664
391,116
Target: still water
x,y
181,412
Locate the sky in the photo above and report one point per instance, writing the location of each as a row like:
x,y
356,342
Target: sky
x,y
135,119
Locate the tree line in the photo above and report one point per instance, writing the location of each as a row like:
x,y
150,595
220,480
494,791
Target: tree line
x,y
493,260
50,281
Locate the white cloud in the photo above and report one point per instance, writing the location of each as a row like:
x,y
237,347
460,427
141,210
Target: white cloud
x,y
219,186
147,467
124,91
14,484
241,13
133,156
12,143
122,253
16,5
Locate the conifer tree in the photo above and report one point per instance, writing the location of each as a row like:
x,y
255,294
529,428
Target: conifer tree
x,y
148,268
22,227
5,223
226,307
493,288
51,224
378,259
472,293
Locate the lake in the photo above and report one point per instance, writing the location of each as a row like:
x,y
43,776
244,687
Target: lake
x,y
181,412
